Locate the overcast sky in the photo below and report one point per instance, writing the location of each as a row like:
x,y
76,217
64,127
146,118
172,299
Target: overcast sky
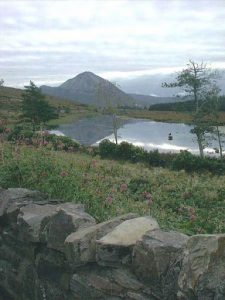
x,y
51,41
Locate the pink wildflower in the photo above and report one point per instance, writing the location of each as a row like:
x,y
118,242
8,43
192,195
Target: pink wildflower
x,y
94,163
45,143
192,215
109,200
63,174
123,187
8,130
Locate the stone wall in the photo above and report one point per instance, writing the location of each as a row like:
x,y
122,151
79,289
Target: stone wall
x,y
51,250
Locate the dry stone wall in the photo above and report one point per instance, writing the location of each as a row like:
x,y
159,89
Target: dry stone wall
x,y
51,250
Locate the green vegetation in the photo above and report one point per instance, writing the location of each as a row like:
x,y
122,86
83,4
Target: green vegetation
x,y
198,83
68,111
191,203
159,116
184,106
182,161
35,109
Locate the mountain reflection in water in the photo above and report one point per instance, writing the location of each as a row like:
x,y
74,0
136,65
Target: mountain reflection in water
x,y
147,134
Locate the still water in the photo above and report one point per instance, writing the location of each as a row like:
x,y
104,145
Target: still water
x,y
147,134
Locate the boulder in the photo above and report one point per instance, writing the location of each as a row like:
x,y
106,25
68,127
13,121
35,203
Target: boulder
x,y
68,218
115,248
13,199
50,223
202,275
157,261
33,220
80,246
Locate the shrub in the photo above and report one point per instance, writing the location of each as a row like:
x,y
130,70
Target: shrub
x,y
126,151
107,149
62,142
21,132
192,163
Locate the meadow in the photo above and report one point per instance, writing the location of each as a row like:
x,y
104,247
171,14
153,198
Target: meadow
x,y
188,202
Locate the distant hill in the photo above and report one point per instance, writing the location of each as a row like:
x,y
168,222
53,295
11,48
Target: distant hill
x,y
152,84
88,88
150,100
10,103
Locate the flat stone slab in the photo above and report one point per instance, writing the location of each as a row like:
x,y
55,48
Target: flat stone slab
x,y
12,199
115,248
80,246
127,233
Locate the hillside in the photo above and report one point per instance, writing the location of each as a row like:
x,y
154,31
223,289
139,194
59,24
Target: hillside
x,y
88,88
10,101
150,100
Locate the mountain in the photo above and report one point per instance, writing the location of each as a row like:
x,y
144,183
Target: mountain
x,y
88,88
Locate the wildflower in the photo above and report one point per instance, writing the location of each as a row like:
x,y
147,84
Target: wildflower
x,y
123,187
148,198
192,215
45,143
63,174
43,174
8,130
94,163
109,199
46,133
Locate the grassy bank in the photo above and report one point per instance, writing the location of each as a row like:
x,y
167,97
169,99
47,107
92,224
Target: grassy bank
x,y
164,116
191,203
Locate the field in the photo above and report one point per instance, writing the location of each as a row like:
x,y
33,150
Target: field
x,y
190,203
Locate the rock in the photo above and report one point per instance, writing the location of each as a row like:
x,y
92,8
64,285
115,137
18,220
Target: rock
x,y
136,296
12,199
68,219
33,220
126,279
80,246
203,273
157,261
115,248
52,266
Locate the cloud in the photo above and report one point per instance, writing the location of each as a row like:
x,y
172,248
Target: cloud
x,y
40,38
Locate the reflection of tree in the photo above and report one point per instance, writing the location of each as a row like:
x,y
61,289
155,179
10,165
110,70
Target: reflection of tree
x,y
107,100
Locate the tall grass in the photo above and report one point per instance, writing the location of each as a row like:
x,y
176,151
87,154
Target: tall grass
x,y
191,203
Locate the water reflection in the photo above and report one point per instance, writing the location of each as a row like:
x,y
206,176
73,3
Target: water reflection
x,y
147,134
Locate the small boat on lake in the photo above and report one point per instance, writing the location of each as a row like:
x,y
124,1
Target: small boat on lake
x,y
170,137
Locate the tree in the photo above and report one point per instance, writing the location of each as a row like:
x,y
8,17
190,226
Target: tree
x,y
198,82
34,106
1,82
211,108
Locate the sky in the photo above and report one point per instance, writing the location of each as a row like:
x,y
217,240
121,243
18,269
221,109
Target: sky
x,y
51,41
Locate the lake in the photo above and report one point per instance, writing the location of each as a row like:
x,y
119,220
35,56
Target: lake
x,y
144,133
